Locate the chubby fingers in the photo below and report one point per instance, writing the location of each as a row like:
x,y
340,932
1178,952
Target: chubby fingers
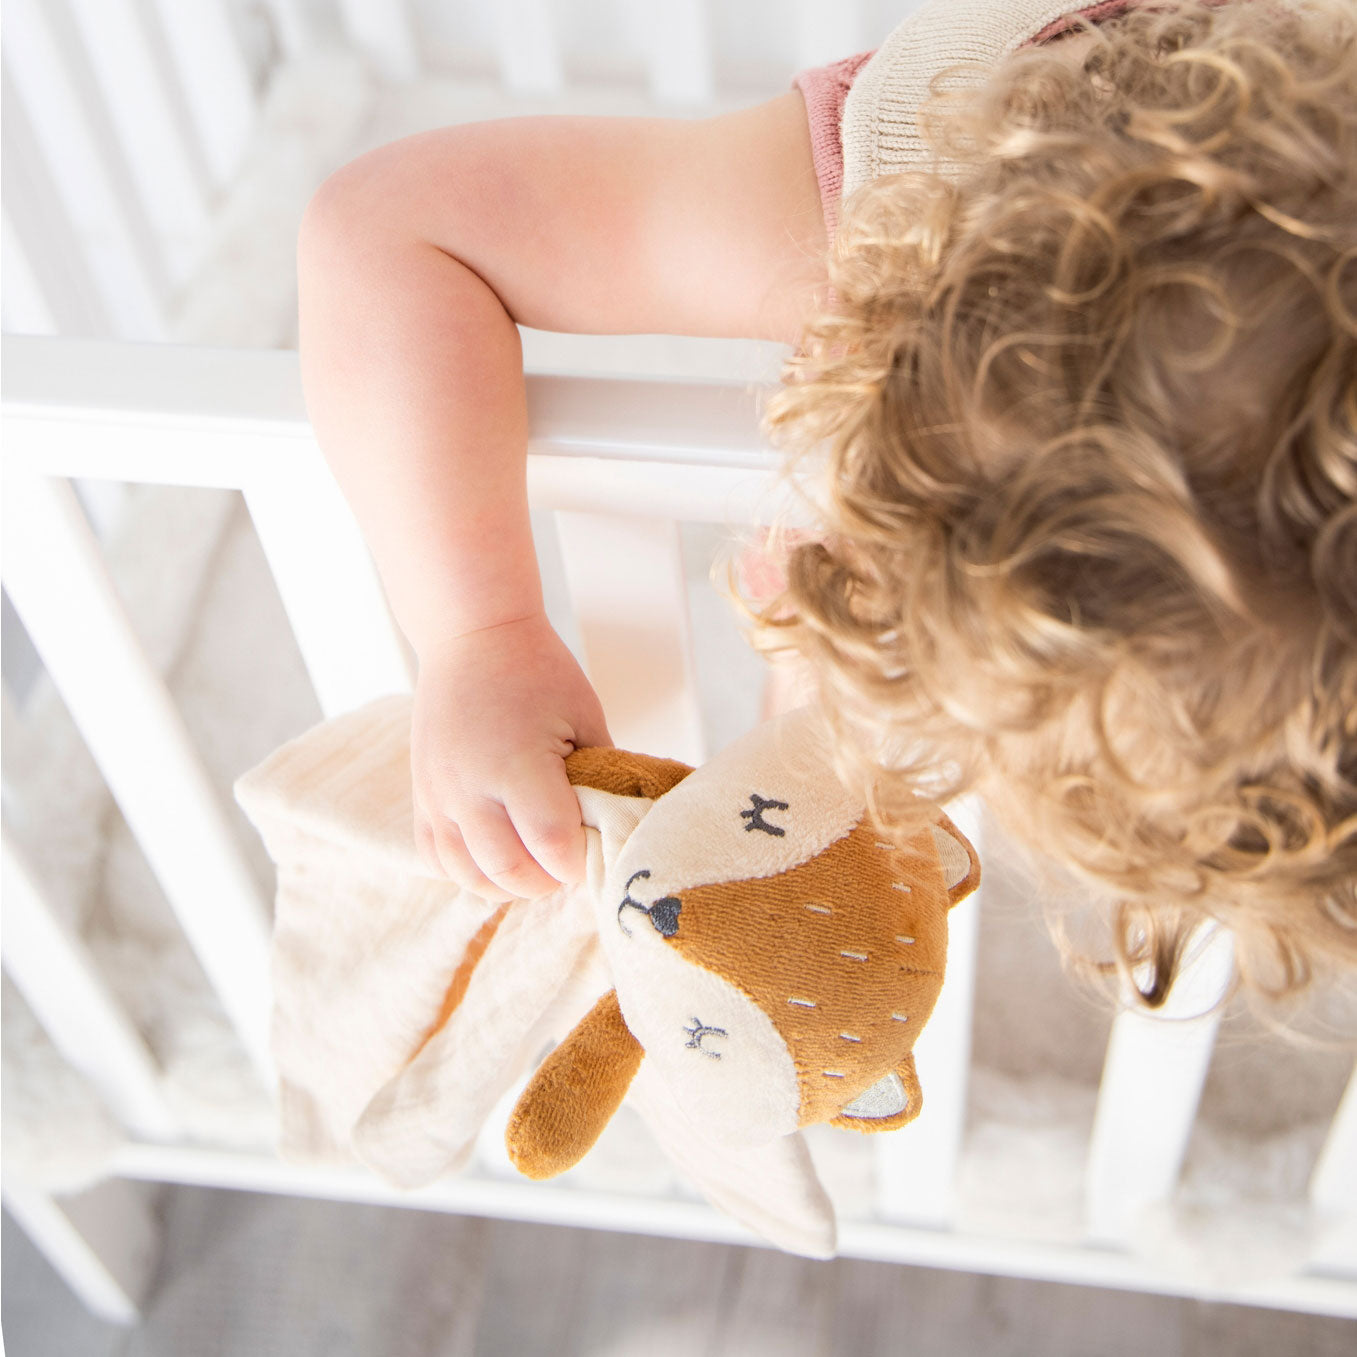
x,y
522,848
546,815
501,855
444,852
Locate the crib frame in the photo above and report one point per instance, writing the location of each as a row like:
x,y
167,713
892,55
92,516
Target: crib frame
x,y
621,464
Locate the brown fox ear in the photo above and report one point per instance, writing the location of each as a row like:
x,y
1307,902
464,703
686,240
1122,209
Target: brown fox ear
x,y
574,1093
889,1103
960,866
624,773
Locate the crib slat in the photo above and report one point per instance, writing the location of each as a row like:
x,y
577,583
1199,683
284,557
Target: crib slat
x,y
294,26
678,52
1151,1085
39,222
213,76
329,586
23,309
60,587
627,584
916,1165
528,50
688,494
384,32
105,1243
145,113
824,33
54,971
1333,1190
1333,1185
49,75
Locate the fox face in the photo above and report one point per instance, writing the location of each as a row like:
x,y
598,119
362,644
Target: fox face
x,y
774,957
781,1000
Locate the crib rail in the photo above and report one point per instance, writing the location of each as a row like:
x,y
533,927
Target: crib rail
x,y
620,463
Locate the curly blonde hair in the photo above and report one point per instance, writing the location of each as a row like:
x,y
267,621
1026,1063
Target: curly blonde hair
x,y
1082,419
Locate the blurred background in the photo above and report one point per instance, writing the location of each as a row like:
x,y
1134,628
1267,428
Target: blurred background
x,y
157,157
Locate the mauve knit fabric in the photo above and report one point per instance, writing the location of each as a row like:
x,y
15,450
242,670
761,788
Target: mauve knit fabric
x,y
824,89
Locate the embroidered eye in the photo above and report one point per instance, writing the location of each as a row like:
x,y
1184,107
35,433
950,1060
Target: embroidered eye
x,y
699,1030
755,815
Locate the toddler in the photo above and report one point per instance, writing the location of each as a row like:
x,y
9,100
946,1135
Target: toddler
x,y
1082,405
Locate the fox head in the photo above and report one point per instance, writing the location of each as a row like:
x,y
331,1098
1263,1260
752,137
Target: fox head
x,y
773,954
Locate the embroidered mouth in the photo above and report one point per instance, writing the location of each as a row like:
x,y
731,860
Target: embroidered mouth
x,y
663,914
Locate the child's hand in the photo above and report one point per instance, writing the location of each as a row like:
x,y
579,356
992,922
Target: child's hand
x,y
495,713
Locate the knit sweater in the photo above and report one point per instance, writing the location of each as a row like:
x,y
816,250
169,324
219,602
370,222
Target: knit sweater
x,y
861,110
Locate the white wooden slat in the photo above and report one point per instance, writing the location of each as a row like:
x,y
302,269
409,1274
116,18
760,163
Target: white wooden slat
x,y
104,1243
528,48
39,222
1151,1085
352,647
1333,1185
678,51
294,25
215,80
1335,1249
55,973
916,1166
630,598
104,503
1333,1190
48,71
60,587
828,32
145,113
687,494
23,308
383,30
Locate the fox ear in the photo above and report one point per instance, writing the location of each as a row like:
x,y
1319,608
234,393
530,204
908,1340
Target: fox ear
x,y
960,866
890,1102
574,1093
624,773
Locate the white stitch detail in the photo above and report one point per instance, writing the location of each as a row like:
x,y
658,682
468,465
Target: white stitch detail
x,y
900,937
900,1017
848,1036
832,1074
900,886
805,1003
855,956
819,909
889,846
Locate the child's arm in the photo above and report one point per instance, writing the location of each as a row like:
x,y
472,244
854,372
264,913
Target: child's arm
x,y
415,262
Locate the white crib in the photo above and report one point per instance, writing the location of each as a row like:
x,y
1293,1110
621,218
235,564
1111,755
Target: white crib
x,y
617,465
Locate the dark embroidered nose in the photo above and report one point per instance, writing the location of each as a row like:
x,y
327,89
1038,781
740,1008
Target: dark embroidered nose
x,y
663,913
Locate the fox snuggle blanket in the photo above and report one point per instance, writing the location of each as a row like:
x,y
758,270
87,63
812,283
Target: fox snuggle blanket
x,y
747,956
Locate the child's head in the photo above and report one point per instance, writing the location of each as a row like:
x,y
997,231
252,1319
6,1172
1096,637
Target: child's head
x,y
1085,410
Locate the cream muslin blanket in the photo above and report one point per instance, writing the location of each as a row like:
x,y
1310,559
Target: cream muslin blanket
x,y
405,1007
